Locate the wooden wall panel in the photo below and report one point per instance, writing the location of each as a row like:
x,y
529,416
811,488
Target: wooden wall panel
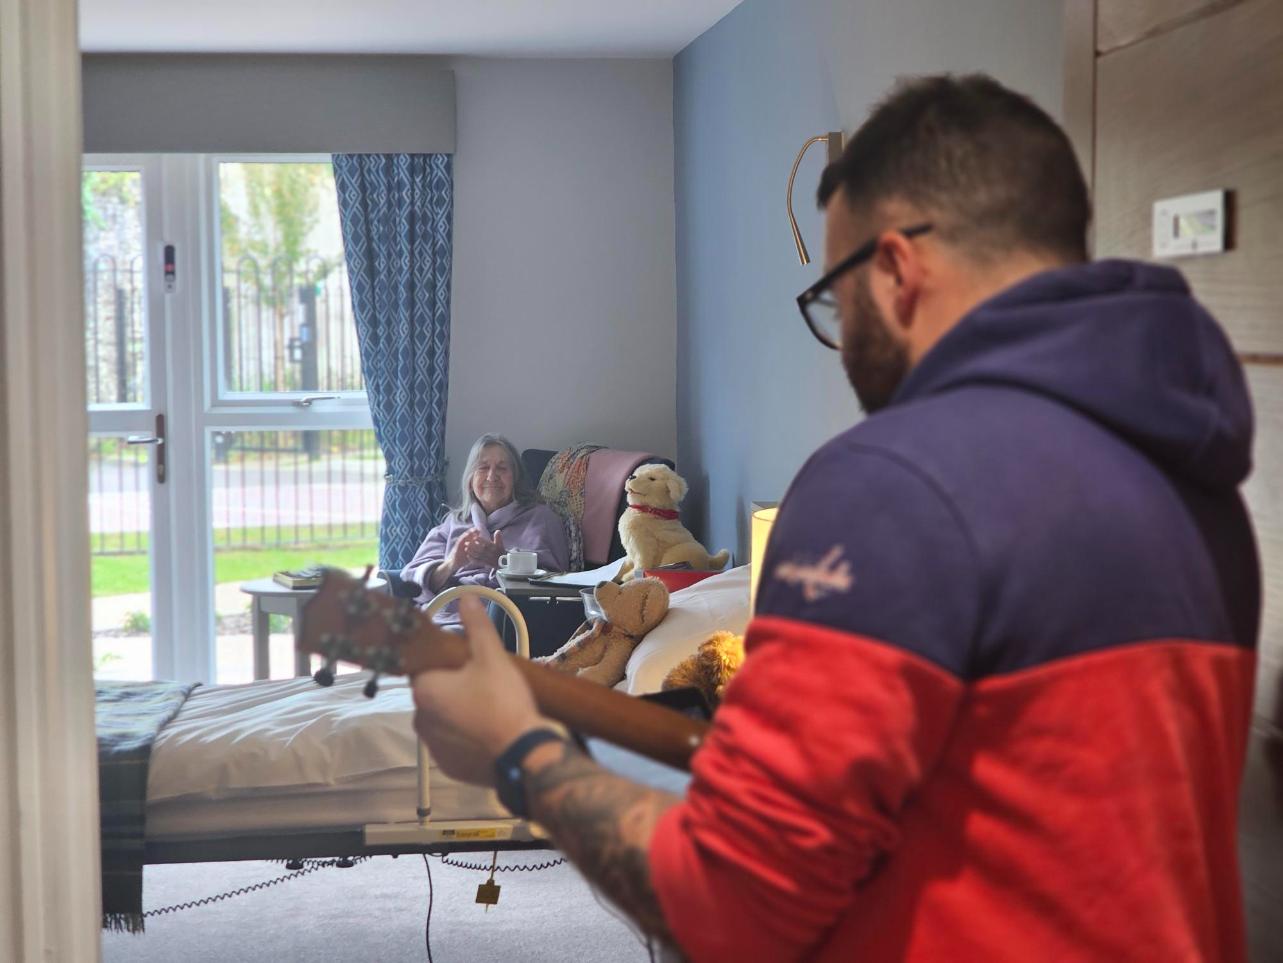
x,y
1261,846
1264,492
1173,119
1261,813
1123,22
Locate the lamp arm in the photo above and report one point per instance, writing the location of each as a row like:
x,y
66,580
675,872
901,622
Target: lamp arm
x,y
802,254
835,141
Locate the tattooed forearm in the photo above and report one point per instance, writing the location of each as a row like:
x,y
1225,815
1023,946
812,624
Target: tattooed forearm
x,y
603,822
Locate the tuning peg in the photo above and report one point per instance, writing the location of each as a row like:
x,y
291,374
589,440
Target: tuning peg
x,y
357,605
401,617
372,687
325,674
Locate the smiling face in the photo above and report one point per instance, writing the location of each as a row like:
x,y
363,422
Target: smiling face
x,y
492,479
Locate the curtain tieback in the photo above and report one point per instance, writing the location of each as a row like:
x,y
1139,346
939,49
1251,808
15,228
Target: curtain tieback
x,y
420,480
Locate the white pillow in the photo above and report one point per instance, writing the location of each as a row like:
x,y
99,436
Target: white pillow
x,y
714,604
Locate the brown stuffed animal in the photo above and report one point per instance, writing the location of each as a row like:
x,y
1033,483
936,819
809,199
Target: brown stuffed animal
x,y
649,528
710,668
599,651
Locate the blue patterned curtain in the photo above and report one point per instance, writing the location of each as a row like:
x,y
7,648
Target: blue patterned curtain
x,y
397,213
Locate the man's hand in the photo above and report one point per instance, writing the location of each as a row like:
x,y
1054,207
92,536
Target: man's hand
x,y
467,716
603,822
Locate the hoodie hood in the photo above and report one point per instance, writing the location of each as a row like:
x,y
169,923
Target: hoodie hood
x,y
1123,342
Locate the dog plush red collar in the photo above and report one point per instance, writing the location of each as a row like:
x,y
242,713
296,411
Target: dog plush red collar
x,y
661,512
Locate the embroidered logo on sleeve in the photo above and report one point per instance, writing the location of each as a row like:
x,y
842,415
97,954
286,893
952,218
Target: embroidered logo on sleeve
x,y
830,575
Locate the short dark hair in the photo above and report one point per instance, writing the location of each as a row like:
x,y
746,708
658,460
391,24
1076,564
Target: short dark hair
x,y
991,170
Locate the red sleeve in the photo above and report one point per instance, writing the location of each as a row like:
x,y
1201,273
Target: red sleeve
x,y
796,792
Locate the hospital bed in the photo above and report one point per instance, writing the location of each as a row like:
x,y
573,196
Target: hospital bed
x,y
286,769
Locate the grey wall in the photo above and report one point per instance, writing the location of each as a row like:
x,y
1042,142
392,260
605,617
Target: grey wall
x,y
756,393
564,286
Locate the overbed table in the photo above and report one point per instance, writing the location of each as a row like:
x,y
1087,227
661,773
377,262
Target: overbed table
x,y
552,612
268,598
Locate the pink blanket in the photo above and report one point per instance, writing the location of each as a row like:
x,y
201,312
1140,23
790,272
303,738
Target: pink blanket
x,y
608,469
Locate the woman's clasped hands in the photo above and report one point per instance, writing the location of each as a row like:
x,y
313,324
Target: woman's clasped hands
x,y
475,548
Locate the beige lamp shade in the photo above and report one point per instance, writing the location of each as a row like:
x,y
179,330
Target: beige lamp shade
x,y
761,518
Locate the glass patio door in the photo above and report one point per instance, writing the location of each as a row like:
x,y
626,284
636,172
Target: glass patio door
x,y
126,382
270,461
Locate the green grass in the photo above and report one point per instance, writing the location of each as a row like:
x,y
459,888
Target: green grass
x,y
128,574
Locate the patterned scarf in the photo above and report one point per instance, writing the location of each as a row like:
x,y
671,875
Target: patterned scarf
x,y
129,717
562,487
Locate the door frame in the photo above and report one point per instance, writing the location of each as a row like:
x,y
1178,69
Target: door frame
x,y
49,836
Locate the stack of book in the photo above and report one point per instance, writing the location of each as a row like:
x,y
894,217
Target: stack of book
x,y
303,578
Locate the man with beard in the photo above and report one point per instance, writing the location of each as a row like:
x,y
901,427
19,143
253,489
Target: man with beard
x,y
999,679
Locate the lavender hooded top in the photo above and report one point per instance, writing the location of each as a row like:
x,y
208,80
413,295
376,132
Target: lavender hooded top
x,y
532,528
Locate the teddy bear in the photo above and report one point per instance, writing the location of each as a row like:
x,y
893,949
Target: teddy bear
x,y
599,650
649,529
710,668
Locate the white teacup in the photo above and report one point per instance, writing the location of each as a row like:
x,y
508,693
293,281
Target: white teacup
x,y
517,562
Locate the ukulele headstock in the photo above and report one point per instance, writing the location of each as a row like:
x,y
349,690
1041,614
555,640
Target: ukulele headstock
x,y
346,621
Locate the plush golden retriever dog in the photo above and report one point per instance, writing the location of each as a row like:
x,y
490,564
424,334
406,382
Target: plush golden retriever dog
x,y
649,528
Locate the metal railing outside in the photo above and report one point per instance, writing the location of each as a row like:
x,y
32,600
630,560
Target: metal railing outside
x,y
114,345
272,490
290,489
283,330
288,329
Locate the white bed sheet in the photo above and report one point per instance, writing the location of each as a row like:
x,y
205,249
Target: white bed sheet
x,y
290,755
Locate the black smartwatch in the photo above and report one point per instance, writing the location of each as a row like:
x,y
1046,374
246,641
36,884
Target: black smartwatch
x,y
509,779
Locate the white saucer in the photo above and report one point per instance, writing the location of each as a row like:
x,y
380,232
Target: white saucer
x,y
537,573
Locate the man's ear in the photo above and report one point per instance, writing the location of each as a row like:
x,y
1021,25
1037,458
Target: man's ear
x,y
896,278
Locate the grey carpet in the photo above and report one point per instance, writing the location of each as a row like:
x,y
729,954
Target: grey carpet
x,y
374,911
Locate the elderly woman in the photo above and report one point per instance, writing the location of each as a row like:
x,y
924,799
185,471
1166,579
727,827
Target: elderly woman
x,y
498,511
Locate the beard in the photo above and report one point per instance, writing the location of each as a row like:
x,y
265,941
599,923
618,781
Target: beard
x,y
875,362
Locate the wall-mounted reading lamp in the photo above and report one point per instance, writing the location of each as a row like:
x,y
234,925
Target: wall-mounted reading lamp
x,y
836,141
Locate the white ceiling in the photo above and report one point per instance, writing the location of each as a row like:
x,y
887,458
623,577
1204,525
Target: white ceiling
x,y
499,28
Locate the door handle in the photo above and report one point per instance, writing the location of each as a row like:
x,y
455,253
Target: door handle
x,y
308,400
157,439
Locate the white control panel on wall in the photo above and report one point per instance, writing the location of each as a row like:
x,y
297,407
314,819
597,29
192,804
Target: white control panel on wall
x,y
1190,224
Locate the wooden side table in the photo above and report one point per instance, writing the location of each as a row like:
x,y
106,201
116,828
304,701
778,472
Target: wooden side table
x,y
268,598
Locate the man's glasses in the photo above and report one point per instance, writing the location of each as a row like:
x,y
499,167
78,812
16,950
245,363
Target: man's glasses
x,y
818,307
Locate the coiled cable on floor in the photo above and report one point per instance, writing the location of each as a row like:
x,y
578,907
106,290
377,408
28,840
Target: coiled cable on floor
x,y
476,867
309,866
516,868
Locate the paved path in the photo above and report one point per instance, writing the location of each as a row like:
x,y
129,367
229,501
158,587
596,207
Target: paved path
x,y
129,656
110,611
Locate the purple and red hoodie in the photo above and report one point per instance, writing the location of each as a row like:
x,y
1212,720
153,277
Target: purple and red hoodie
x,y
1000,678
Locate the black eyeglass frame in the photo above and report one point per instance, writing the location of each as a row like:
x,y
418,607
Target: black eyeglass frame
x,y
854,259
